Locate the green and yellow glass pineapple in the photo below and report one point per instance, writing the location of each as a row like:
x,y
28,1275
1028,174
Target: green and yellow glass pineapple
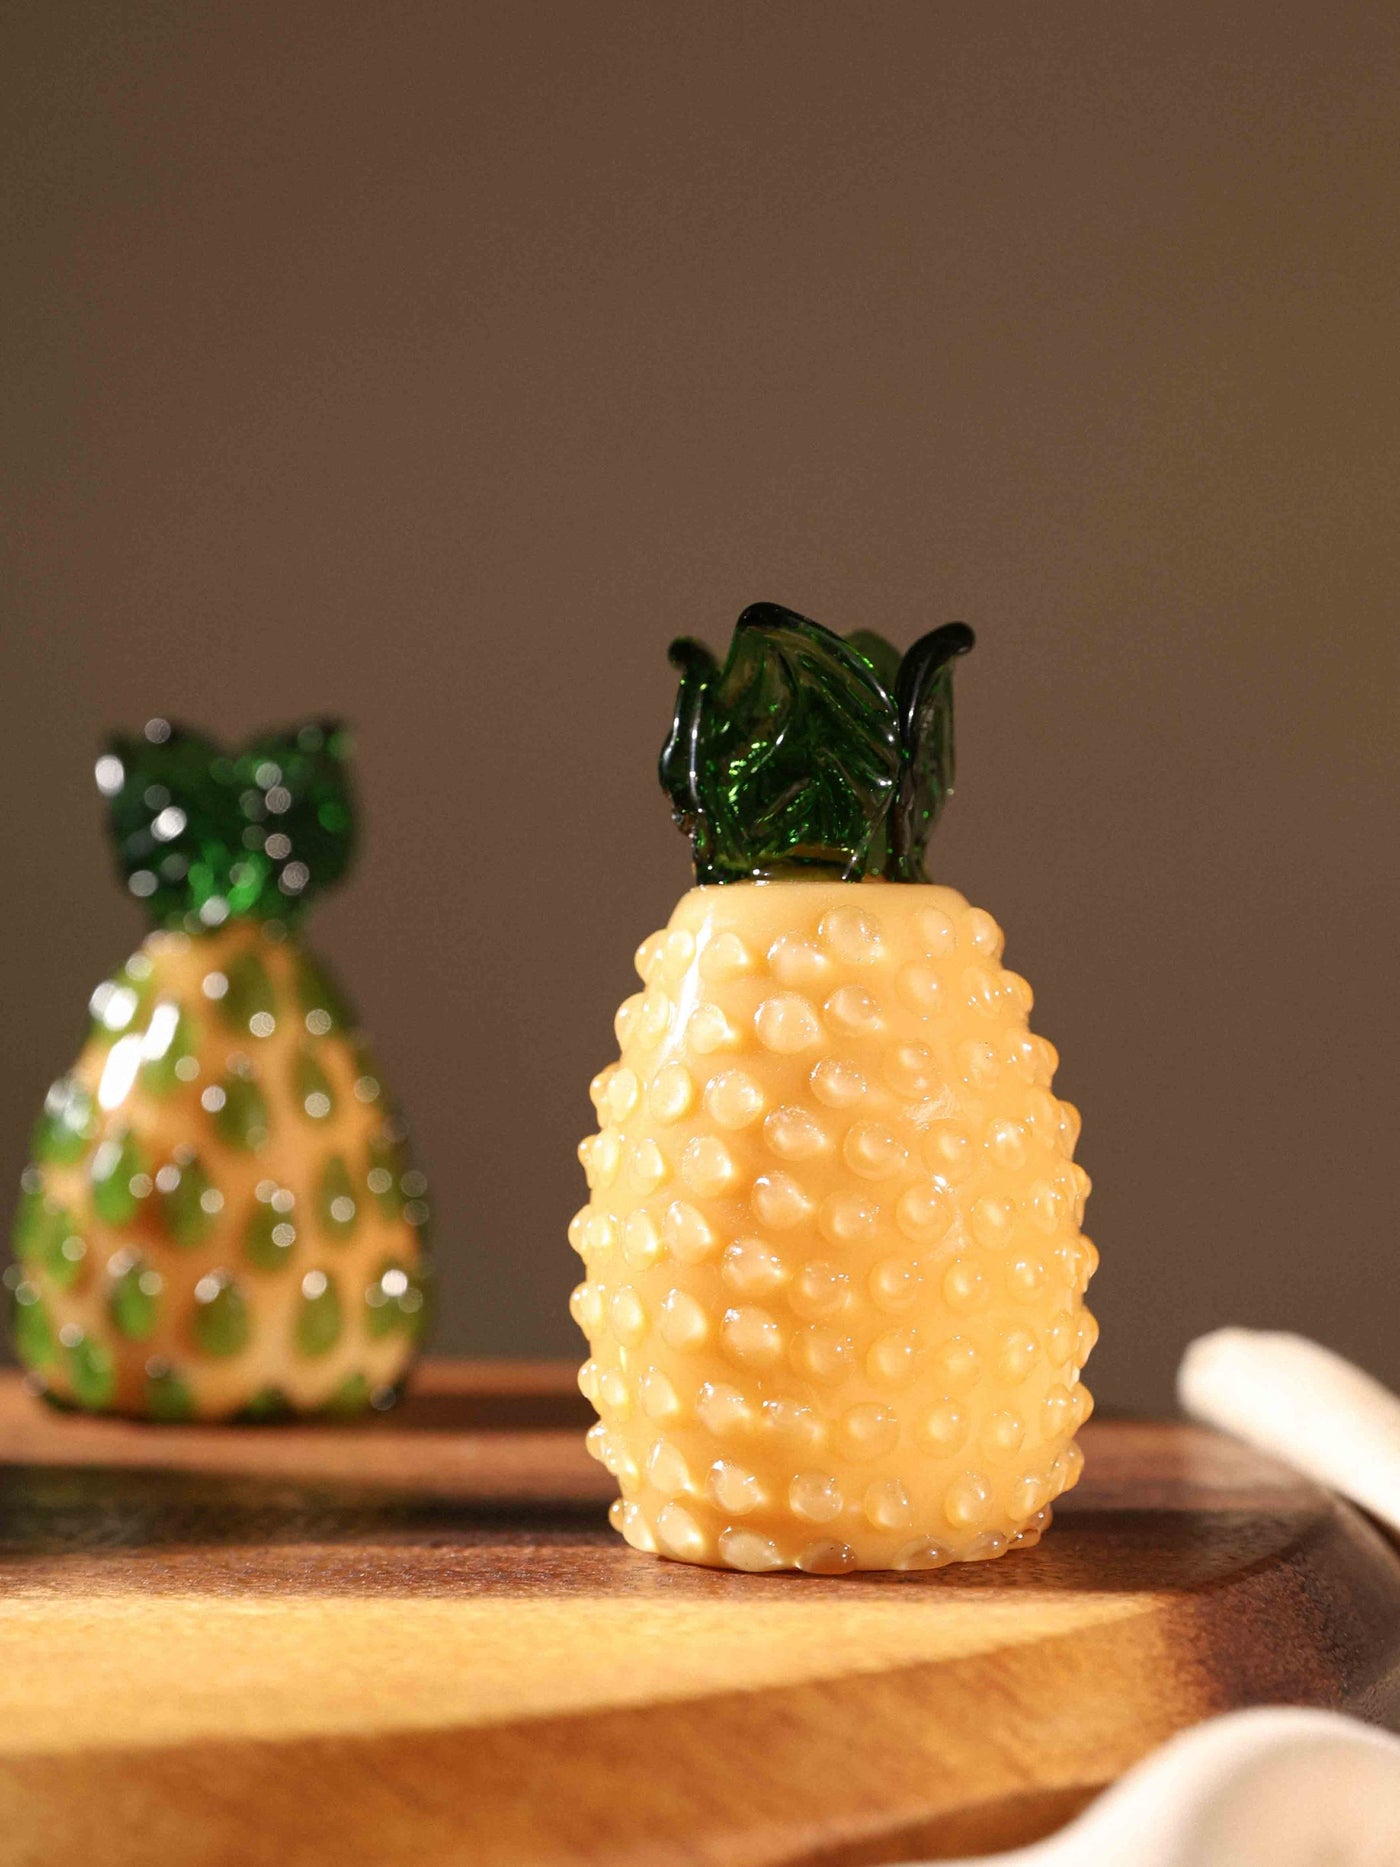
x,y
221,1219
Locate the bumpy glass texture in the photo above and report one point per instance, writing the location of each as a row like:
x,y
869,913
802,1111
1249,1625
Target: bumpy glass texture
x,y
807,753
222,1218
834,1268
204,835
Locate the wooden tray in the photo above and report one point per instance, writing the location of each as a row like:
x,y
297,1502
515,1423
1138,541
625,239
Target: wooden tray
x,y
417,1641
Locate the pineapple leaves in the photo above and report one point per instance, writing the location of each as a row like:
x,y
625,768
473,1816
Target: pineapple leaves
x,y
924,697
807,753
204,835
786,758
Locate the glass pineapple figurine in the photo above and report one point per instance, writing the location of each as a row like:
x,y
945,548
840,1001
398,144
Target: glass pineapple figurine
x,y
221,1220
834,1267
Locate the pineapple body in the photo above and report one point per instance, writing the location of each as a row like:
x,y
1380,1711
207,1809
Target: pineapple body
x,y
834,1267
220,1219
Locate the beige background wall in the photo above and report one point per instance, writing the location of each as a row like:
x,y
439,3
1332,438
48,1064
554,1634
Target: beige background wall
x,y
435,363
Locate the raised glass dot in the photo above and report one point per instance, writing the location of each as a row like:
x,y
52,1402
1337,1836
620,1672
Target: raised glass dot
x,y
910,1070
921,988
922,1553
221,1322
852,936
822,1354
312,1085
659,1400
1025,1277
956,1360
923,1213
893,1359
837,1083
1004,1432
667,1470
709,1030
614,1397
686,1233
337,1208
601,1155
796,963
886,1505
751,1335
734,1489
1056,1411
869,1431
819,1291
671,1093
1027,1495
724,958
707,1166
599,1233
747,1550
647,1164
722,1409
1049,1205
1018,994
751,1268
846,1217
1060,1340
968,1502
947,1153
946,1427
815,1496
626,1019
979,1064
684,1324
779,1201
787,1024
894,1284
628,1318
827,1558
1069,1124
852,1010
790,1420
793,1134
318,1318
982,990
641,1244
1017,1355
677,950
964,1286
680,1535
1006,1143
872,1150
734,1099
586,1307
633,1526
621,1097
648,956
653,1017
938,932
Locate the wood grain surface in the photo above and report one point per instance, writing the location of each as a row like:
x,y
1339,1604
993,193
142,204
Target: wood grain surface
x,y
417,1641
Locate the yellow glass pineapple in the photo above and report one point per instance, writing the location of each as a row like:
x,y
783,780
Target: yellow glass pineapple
x,y
834,1267
221,1219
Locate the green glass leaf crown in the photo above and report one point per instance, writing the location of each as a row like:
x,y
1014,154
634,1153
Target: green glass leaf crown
x,y
204,835
810,753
